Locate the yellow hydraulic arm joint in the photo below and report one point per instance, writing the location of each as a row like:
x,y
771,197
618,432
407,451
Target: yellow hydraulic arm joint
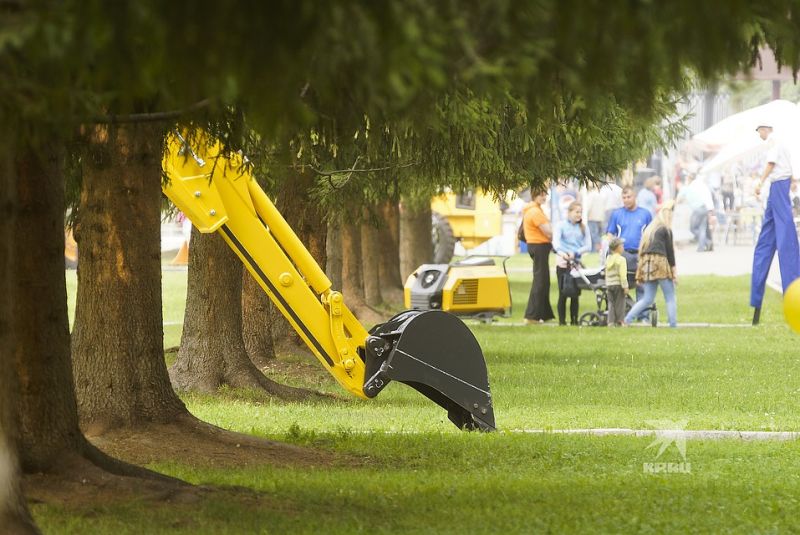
x,y
219,194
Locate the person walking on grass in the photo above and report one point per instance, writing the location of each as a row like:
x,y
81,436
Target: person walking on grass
x,y
571,239
616,282
538,236
657,266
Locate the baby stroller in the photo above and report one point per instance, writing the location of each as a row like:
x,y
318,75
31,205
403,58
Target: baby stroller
x,y
594,280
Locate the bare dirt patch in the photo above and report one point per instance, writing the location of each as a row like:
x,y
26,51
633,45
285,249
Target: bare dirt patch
x,y
199,444
77,482
301,371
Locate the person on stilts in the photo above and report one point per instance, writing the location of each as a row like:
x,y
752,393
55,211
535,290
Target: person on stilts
x,y
777,230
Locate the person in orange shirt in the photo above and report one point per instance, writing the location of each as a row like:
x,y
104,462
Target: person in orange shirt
x,y
538,236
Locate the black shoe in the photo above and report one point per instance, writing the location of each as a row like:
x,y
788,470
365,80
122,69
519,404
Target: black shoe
x,y
756,315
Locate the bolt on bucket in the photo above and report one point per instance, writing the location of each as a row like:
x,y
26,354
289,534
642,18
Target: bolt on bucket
x,y
437,355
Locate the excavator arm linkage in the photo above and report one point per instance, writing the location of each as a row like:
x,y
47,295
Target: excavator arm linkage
x,y
433,351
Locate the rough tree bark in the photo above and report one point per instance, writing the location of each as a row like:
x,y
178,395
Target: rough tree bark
x,y
256,324
389,255
308,223
51,439
14,516
117,341
49,414
352,278
212,351
416,247
333,267
370,253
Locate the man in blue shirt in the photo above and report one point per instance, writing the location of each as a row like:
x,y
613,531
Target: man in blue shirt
x,y
627,223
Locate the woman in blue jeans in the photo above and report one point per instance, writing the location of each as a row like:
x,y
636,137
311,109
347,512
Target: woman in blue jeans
x,y
657,266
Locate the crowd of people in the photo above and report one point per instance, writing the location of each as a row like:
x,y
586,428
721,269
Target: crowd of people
x,y
638,252
730,196
636,228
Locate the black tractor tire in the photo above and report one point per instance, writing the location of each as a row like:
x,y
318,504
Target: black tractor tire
x,y
444,241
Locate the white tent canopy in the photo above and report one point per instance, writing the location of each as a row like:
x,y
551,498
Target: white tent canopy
x,y
735,137
783,115
735,151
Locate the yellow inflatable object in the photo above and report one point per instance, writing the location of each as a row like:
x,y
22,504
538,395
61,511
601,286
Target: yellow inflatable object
x,y
791,306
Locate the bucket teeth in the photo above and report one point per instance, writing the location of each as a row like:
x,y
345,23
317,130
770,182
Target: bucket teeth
x,y
437,355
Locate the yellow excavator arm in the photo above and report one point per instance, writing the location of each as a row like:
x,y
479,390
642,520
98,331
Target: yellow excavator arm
x,y
217,192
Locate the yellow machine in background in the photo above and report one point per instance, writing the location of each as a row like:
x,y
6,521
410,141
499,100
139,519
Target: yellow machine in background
x,y
431,351
475,287
471,217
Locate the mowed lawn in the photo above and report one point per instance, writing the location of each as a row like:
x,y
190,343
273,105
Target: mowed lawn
x,y
416,473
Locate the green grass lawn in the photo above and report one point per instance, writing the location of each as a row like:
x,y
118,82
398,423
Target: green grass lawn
x,y
499,483
416,473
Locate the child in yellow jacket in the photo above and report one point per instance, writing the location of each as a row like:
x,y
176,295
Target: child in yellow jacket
x,y
616,282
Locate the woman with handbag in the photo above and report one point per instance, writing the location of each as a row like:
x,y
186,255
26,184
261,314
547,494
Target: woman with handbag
x,y
571,239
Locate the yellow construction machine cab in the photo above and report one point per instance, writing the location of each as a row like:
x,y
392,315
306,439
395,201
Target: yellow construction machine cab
x,y
470,217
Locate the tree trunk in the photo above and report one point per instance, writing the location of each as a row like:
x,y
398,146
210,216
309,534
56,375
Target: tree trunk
x,y
118,340
14,515
51,439
370,254
48,410
256,324
333,268
212,351
416,247
309,225
352,278
389,255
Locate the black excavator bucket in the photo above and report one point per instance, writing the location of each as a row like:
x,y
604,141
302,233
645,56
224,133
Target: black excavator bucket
x,y
436,354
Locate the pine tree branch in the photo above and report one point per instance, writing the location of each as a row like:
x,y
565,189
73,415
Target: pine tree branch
x,y
150,117
354,170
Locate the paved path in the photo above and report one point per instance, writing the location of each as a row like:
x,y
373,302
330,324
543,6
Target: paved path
x,y
634,325
672,433
724,260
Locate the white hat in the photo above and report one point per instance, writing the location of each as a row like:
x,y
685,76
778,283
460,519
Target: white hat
x,y
765,123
